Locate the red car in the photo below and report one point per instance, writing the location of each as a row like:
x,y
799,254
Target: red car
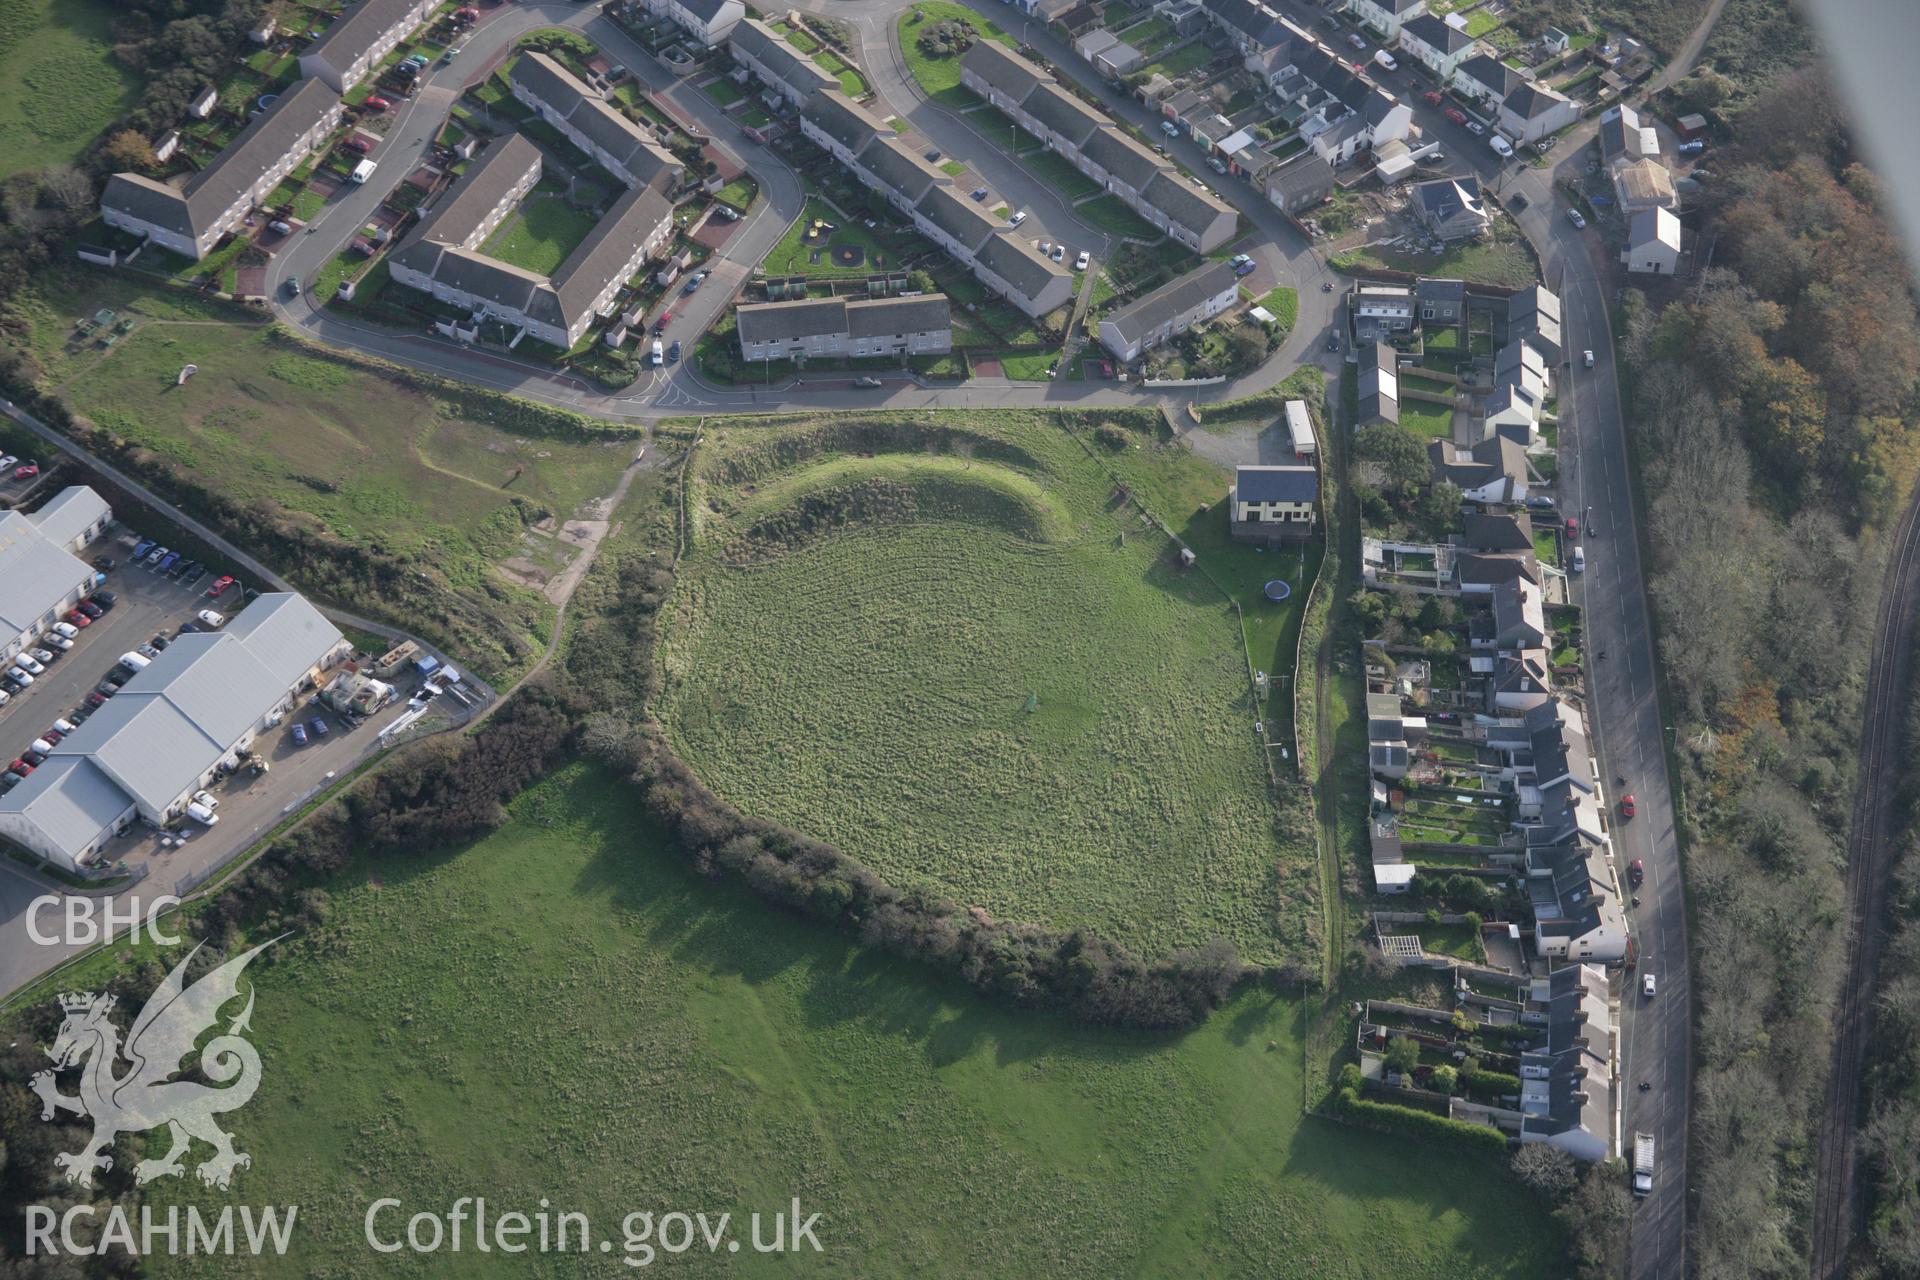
x,y
1636,872
1433,98
1456,115
96,699
359,146
26,470
1627,807
666,318
375,102
20,767
78,618
220,584
1573,529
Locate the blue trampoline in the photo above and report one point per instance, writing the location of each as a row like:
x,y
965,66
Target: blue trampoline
x,y
1278,590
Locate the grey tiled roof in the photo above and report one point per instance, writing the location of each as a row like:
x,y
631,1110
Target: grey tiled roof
x,y
1122,157
1002,68
1019,264
1173,299
900,169
839,118
357,27
1063,113
1183,203
603,256
632,147
957,216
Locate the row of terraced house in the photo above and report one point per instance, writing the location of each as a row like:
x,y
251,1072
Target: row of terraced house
x,y
191,218
1145,181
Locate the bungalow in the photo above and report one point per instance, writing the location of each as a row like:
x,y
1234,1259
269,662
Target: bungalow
x,y
1172,309
1449,208
1495,470
1274,503
1626,135
1653,242
621,147
1532,111
191,219
777,64
1300,184
1379,385
708,21
359,38
846,327
1387,16
1533,316
1437,45
1639,185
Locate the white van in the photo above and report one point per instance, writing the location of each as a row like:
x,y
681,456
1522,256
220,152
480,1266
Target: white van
x,y
1501,147
212,619
363,170
1579,559
200,813
135,661
1384,61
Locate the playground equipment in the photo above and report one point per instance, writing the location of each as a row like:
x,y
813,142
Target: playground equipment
x,y
1278,590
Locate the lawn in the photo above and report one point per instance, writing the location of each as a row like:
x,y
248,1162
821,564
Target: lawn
x,y
637,1038
939,77
1034,711
540,234
1053,169
1425,421
1503,261
1284,305
722,90
371,460
1110,213
851,82
1480,22
1182,60
59,84
738,194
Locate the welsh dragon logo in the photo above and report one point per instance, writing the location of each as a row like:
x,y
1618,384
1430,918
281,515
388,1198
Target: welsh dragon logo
x,y
144,1097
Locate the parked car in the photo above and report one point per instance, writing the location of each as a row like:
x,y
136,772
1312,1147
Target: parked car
x,y
318,726
1059,253
30,665
1433,97
34,758
1456,115
673,352
299,734
156,555
280,227
1693,148
659,353
359,146
214,621
1017,218
96,700
1574,216
374,102
159,642
978,193
19,675
7,460
26,471
186,629
1627,806
104,563
20,767
194,573
1646,985
178,568
1356,40
866,382
694,281
1216,164
206,798
1636,872
660,325
1083,261
67,630
56,640
143,546
75,618
167,562
90,609
1501,147
933,157
220,584
105,599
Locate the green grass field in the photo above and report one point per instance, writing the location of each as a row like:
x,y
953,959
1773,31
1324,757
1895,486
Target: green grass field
x,y
1130,796
793,256
539,234
565,1011
59,84
371,460
1056,171
1109,213
1503,261
939,78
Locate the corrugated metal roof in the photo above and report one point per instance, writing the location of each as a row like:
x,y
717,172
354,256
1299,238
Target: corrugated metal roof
x,y
35,574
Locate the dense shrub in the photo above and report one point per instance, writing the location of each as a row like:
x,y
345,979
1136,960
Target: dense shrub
x,y
1388,1118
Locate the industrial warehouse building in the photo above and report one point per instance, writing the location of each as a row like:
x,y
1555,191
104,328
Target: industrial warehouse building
x,y
40,576
171,729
